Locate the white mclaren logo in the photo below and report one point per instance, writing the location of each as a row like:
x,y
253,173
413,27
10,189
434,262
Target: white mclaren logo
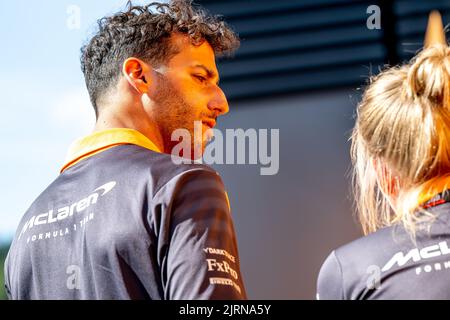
x,y
53,216
106,188
416,254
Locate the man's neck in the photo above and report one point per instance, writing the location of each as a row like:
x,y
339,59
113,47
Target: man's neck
x,y
147,129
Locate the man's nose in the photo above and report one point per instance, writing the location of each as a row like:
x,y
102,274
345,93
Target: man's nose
x,y
219,102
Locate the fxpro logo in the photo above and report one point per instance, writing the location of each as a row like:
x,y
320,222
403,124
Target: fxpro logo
x,y
417,254
65,212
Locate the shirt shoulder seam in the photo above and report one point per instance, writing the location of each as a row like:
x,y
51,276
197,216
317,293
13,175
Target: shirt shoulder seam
x,y
177,176
341,274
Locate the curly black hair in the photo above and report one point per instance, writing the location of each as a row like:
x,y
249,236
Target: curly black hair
x,y
143,32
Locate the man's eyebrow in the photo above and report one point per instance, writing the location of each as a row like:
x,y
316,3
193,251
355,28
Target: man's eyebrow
x,y
211,74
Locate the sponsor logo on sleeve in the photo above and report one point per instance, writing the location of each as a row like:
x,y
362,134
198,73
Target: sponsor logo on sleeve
x,y
222,263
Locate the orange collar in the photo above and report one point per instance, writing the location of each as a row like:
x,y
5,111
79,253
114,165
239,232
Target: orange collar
x,y
100,141
433,187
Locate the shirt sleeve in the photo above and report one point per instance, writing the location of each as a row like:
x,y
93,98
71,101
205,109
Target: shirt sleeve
x,y
330,280
8,292
202,258
6,275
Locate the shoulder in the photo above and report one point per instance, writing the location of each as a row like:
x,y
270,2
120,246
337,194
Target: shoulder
x,y
371,249
158,169
176,177
348,268
330,282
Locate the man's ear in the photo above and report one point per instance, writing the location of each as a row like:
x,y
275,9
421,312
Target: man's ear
x,y
137,74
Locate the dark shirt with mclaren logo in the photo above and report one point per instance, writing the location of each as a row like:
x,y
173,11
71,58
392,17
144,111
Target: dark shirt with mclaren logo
x,y
127,223
392,264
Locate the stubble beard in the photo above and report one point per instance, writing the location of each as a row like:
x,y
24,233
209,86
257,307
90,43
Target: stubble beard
x,y
173,113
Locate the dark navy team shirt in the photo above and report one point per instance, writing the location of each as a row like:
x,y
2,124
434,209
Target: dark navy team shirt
x,y
392,264
127,223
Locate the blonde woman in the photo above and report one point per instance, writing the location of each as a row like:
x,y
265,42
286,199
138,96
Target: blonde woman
x,y
401,158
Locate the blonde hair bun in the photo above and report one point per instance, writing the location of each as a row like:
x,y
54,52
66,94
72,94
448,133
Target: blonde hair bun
x,y
429,75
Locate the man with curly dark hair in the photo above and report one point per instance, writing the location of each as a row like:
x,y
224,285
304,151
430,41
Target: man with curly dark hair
x,y
122,220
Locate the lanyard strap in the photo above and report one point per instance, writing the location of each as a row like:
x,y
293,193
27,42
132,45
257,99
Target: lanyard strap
x,y
440,198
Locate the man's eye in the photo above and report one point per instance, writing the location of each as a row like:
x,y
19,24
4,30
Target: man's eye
x,y
200,78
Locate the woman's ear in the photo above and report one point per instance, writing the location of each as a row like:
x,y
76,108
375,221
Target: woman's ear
x,y
137,74
387,181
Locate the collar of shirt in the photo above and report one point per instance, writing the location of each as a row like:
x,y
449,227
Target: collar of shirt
x,y
104,140
433,188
